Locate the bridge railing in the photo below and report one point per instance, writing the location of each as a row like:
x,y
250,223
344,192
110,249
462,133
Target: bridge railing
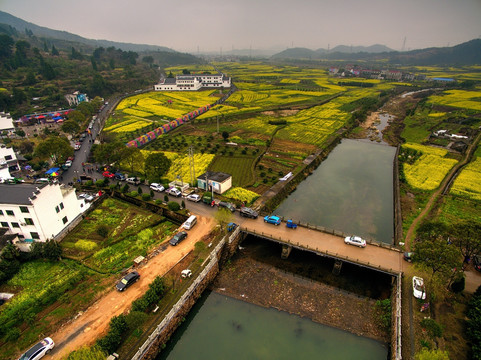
x,y
320,251
339,233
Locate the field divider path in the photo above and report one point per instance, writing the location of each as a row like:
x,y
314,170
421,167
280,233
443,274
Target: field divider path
x,y
442,189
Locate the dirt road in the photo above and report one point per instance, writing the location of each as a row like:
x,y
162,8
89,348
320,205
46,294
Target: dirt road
x,y
89,326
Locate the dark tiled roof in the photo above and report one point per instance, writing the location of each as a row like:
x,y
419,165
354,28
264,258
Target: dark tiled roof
x,y
18,194
169,81
215,176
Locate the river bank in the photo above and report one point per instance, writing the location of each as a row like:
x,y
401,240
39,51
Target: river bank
x,y
256,282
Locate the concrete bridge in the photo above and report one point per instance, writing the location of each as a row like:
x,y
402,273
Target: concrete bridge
x,y
377,256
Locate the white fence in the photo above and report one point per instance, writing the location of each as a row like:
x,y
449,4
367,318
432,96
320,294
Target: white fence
x,y
397,355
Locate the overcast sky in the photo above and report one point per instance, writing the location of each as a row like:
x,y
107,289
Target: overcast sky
x,y
209,25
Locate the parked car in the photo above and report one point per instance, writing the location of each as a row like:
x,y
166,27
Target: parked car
x,y
68,163
419,290
187,273
127,280
227,205
38,350
108,174
174,192
477,262
157,187
133,181
120,176
193,197
272,219
87,197
177,238
77,146
408,256
248,212
355,240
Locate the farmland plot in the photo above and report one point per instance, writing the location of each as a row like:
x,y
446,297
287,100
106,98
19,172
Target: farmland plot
x,y
468,183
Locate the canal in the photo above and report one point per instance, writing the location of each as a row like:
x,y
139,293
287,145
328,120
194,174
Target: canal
x,y
351,191
220,327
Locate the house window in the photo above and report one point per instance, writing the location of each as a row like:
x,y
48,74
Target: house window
x,y
4,224
8,157
1,212
24,209
57,209
10,212
64,220
15,225
61,205
28,221
34,235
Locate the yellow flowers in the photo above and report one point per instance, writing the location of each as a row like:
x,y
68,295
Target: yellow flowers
x,y
458,98
430,169
241,194
468,183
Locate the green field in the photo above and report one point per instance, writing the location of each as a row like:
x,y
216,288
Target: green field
x,y
239,167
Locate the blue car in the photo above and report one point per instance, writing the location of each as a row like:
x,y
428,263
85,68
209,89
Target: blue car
x,y
272,219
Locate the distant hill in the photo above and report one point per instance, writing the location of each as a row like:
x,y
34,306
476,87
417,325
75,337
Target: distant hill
x,y
357,49
40,31
468,53
304,53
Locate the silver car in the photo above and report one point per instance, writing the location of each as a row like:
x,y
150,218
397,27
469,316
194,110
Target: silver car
x,y
38,350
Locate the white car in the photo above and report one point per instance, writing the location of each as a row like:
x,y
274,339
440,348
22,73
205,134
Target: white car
x,y
173,191
157,187
68,163
187,273
87,197
355,240
193,197
38,350
419,290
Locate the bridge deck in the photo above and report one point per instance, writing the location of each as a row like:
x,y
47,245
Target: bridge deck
x,y
373,256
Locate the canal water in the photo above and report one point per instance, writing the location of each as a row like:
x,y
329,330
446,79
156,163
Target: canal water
x,y
351,191
220,327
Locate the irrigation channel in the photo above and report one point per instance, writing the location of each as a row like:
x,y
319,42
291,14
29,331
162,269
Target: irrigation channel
x,y
352,191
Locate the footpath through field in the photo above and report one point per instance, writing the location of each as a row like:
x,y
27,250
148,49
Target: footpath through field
x,y
441,190
89,326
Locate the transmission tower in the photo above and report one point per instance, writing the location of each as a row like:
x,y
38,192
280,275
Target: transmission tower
x,y
404,44
191,164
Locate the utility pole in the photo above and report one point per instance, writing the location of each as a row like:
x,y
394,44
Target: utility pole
x,y
192,164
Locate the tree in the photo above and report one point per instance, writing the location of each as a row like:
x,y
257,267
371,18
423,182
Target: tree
x,y
438,256
225,135
467,237
70,126
92,353
223,217
6,46
86,108
54,147
76,116
108,153
54,51
156,166
131,156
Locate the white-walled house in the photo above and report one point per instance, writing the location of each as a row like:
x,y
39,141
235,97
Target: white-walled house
x,y
194,82
219,182
6,123
38,212
8,162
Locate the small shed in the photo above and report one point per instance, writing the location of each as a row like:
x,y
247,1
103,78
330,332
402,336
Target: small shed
x,y
217,182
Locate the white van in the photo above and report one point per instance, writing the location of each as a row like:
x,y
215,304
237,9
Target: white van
x,y
190,222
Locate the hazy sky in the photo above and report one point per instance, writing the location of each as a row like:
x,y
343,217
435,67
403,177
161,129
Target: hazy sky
x,y
186,25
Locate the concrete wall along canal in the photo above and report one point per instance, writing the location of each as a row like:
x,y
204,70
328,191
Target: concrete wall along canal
x,y
223,251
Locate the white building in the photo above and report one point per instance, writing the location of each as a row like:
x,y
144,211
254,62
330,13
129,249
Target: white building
x,y
38,212
6,123
217,182
193,82
8,162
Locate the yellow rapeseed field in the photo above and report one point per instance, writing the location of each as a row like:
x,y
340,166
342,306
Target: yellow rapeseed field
x,y
468,183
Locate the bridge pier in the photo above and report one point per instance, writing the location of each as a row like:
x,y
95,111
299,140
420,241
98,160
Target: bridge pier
x,y
286,251
336,270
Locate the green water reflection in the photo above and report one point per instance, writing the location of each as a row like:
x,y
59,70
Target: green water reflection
x,y
219,327
351,191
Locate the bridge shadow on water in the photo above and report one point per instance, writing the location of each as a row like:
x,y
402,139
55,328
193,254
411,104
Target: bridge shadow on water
x,y
356,279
